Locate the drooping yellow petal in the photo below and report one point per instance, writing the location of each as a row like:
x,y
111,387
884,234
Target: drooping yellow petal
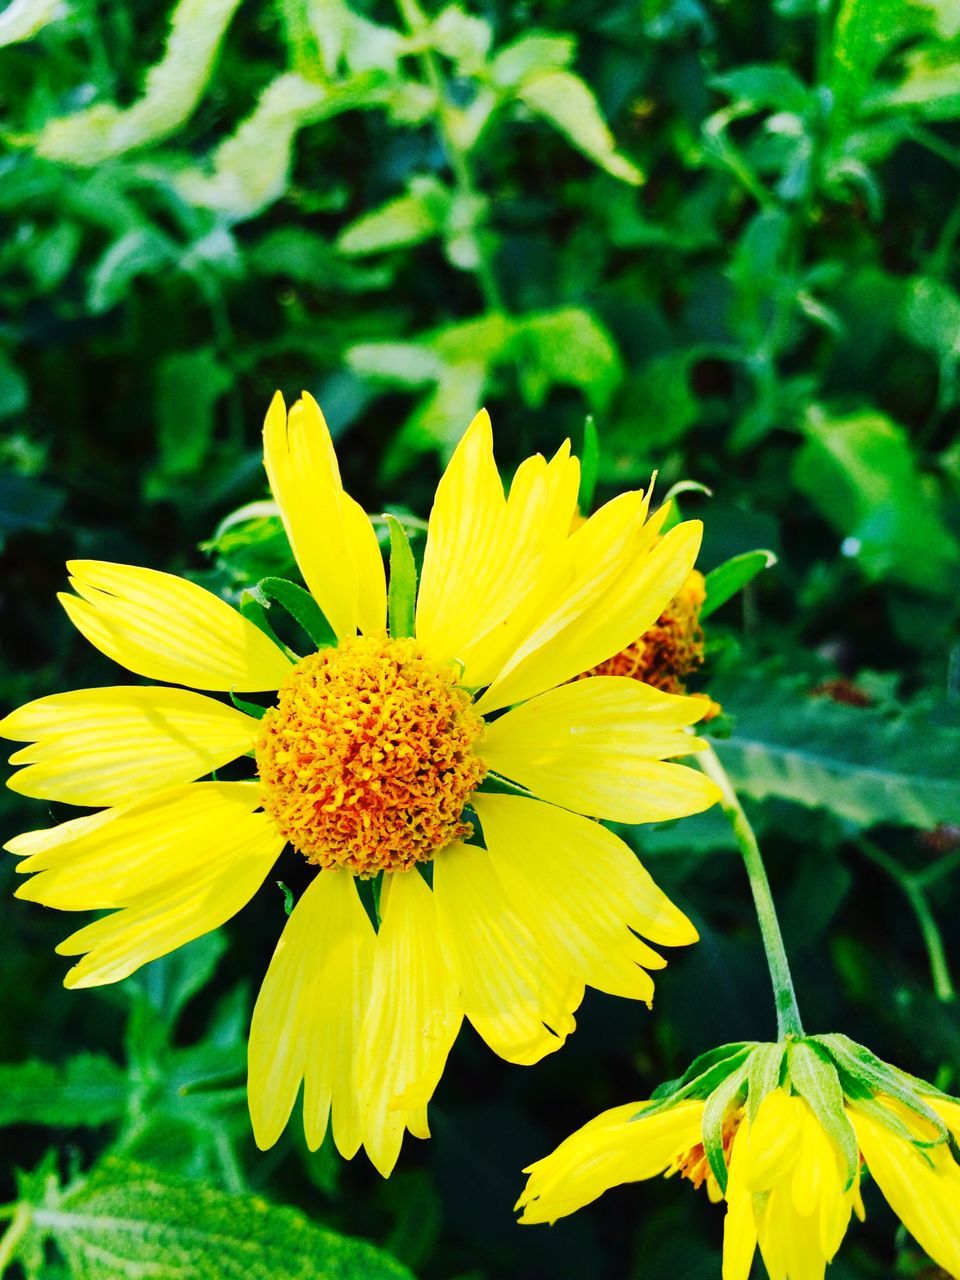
x,y
612,1149
138,849
581,892
921,1185
166,628
490,561
332,538
225,874
739,1226
307,1018
948,1109
412,1020
604,610
517,998
596,746
109,746
774,1140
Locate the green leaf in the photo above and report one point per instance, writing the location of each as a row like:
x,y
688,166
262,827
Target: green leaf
x,y
300,605
128,1220
722,583
589,464
929,86
23,19
530,55
142,251
89,1090
763,1075
714,1113
256,611
568,103
253,709
188,386
701,1078
569,346
861,472
172,90
402,598
407,220
930,317
862,764
863,1073
14,389
460,36
864,32
815,1078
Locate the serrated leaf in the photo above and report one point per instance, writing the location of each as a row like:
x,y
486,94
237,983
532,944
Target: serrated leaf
x,y
815,1079
568,103
868,1073
763,1075
862,764
722,583
89,1090
172,90
300,605
714,1113
402,596
128,1220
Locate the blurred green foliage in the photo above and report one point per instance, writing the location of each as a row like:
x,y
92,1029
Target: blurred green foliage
x,y
727,231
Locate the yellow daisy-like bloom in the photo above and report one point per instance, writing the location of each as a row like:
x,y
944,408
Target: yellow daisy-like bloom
x,y
787,1184
373,760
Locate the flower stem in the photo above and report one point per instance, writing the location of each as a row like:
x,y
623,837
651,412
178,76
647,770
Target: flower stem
x,y
11,1238
785,997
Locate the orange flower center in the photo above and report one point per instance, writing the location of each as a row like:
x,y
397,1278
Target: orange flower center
x,y
368,759
695,1166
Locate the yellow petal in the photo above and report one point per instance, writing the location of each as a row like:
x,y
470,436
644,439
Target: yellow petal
x,y
107,746
139,848
31,842
603,612
412,1020
581,892
921,1185
518,1000
307,1018
739,1226
612,1149
489,559
167,628
596,746
774,1140
332,539
224,878
948,1109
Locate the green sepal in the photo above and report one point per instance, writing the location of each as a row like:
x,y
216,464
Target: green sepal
x,y
863,1075
700,1078
254,611
300,605
402,596
714,1112
732,576
815,1078
248,708
589,464
764,1069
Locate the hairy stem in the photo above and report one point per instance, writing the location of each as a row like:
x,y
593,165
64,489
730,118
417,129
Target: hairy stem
x,y
785,997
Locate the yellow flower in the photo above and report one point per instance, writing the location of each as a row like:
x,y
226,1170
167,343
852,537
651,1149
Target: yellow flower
x,y
377,757
787,1190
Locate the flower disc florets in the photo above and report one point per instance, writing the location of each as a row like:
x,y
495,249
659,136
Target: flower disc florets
x,y
368,758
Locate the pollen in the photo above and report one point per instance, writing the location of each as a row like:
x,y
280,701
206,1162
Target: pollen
x,y
368,758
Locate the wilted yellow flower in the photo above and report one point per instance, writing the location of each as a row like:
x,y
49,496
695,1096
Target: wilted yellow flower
x,y
377,759
791,1178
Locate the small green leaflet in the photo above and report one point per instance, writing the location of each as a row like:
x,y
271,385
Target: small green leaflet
x,y
815,1078
126,1219
714,1113
727,579
300,605
256,611
402,596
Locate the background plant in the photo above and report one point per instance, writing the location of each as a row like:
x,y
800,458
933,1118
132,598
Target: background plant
x,y
730,234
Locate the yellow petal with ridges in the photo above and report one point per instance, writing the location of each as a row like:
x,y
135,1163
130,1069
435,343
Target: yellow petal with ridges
x,y
774,1140
108,746
512,990
613,610
921,1186
166,628
739,1225
31,842
581,892
412,1020
141,847
612,1149
308,1015
332,539
595,746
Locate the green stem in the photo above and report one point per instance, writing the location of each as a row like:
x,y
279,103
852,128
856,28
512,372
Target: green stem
x,y
11,1238
460,164
913,889
785,997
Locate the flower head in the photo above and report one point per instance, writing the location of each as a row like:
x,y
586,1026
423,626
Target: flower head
x,y
783,1134
456,743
